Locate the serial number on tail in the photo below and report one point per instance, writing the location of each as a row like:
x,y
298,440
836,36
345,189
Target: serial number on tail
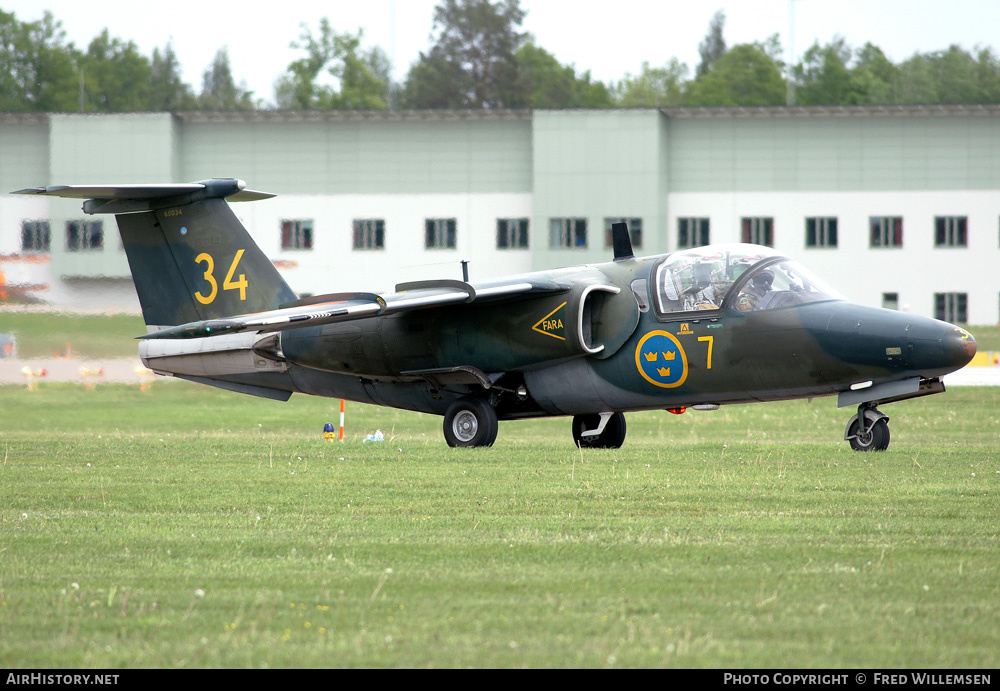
x,y
228,284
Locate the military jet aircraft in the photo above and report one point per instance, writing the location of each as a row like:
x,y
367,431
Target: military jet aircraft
x,y
696,328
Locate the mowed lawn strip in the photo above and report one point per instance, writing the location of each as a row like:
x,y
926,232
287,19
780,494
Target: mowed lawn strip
x,y
189,527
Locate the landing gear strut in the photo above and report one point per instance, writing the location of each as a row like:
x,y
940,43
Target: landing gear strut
x,y
601,431
868,430
470,421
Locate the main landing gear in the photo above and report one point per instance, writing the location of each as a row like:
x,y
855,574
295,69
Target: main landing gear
x,y
599,431
868,430
471,421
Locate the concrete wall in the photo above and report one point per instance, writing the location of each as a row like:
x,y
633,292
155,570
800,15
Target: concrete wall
x,y
859,150
657,165
289,154
597,165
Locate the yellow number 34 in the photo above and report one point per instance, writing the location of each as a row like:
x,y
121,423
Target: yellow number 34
x,y
228,284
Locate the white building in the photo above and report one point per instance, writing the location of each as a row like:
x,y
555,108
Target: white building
x,y
893,206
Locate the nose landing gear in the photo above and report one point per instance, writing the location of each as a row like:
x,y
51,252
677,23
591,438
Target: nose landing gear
x,y
601,431
868,430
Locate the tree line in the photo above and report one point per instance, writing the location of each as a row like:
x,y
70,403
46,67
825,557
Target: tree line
x,y
479,59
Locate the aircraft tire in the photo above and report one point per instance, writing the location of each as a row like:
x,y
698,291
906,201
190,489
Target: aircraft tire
x,y
875,440
612,437
470,421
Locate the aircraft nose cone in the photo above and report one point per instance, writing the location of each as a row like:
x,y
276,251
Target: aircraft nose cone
x,y
936,348
958,345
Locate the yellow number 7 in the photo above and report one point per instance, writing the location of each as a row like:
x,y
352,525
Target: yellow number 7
x,y
711,342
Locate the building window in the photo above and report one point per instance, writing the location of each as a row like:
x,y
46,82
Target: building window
x,y
951,307
951,231
568,232
84,236
692,232
890,301
886,231
439,233
634,231
297,235
758,231
821,232
35,236
512,233
369,234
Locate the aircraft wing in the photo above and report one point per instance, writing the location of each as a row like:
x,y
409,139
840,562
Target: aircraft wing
x,y
339,307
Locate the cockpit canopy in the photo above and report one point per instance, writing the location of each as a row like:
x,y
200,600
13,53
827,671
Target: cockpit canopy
x,y
744,278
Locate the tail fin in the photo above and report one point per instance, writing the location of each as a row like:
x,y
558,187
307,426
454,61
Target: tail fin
x,y
190,257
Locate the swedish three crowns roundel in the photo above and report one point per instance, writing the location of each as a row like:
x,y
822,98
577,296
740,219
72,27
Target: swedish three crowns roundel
x,y
660,359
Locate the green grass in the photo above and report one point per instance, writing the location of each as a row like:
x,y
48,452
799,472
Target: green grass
x,y
46,334
987,337
189,527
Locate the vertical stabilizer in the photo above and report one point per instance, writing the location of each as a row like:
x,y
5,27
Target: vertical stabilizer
x,y
190,257
197,262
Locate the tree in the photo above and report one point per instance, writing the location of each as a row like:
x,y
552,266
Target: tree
x,y
549,84
823,78
714,45
947,77
988,76
873,77
745,76
117,78
653,86
365,78
362,77
169,90
472,63
916,83
219,91
37,68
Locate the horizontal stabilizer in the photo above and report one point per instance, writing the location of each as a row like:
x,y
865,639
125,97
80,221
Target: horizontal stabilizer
x,y
120,199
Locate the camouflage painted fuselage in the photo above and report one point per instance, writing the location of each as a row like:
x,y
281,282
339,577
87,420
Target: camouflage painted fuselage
x,y
621,357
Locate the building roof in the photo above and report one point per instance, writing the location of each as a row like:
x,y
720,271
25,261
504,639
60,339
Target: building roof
x,y
830,111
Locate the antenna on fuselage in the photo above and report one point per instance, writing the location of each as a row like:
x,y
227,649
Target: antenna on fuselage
x,y
621,242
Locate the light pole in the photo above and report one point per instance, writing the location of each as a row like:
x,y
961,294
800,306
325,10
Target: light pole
x,y
790,97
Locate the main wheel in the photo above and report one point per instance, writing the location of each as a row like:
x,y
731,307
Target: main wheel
x,y
612,437
470,421
875,439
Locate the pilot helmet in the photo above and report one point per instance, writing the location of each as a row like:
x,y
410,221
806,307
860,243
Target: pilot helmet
x,y
763,280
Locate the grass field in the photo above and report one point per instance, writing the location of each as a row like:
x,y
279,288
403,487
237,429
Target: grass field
x,y
190,527
45,334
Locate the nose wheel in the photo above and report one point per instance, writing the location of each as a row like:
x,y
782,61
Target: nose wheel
x,y
868,430
601,431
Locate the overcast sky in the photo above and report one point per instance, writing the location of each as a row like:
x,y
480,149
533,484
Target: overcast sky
x,y
610,39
